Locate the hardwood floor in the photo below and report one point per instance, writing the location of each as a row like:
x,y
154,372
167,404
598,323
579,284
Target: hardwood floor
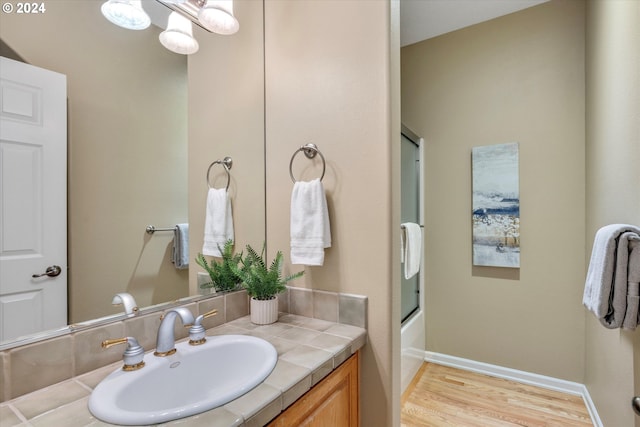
x,y
443,396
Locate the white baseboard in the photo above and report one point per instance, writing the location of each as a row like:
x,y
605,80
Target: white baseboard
x,y
543,381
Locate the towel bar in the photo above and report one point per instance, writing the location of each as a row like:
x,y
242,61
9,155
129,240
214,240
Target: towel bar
x,y
152,229
226,163
309,150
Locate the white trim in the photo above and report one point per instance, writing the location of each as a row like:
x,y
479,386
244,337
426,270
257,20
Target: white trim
x,y
523,377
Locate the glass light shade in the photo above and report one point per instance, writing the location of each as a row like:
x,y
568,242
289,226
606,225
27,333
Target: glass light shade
x,y
178,37
217,16
126,14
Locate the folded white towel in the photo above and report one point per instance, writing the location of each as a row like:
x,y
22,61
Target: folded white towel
x,y
310,230
605,292
411,251
218,224
181,246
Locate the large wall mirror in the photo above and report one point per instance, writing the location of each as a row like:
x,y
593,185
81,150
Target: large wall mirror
x,y
130,123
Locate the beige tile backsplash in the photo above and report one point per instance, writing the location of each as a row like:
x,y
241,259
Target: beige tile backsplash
x,y
38,365
143,328
88,352
236,305
301,302
35,366
352,310
325,306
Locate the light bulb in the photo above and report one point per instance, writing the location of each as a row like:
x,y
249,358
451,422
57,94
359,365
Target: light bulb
x,y
126,14
217,16
178,37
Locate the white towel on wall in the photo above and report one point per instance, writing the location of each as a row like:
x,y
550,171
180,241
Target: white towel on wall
x,y
181,246
218,224
310,229
606,285
411,250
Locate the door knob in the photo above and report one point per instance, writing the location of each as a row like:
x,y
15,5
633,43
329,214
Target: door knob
x,y
635,404
51,271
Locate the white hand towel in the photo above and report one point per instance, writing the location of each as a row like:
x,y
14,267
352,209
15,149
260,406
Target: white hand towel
x,y
310,230
218,224
411,248
605,292
181,246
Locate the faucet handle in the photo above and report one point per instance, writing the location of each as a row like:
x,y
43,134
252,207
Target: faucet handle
x,y
208,314
197,331
199,319
134,354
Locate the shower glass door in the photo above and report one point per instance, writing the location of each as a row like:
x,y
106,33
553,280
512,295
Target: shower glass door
x,y
410,212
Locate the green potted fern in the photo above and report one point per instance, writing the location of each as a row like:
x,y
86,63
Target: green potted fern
x,y
263,283
223,278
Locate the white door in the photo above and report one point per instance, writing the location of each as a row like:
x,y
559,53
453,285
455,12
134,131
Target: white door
x,y
33,199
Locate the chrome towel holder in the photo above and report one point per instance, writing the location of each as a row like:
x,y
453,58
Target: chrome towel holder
x,y
227,163
309,150
152,229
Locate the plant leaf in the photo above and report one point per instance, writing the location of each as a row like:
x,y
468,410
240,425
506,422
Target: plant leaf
x,y
259,281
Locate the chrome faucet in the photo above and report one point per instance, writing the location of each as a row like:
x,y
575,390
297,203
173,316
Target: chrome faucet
x,y
166,342
126,299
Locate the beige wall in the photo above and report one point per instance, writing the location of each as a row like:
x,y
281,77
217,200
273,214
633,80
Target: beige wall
x,y
127,150
226,118
518,78
613,150
328,82
329,86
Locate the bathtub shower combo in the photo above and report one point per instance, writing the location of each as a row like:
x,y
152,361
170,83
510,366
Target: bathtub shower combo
x,y
412,320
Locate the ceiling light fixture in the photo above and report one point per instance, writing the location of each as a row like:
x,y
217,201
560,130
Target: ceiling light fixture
x,y
178,37
215,16
126,14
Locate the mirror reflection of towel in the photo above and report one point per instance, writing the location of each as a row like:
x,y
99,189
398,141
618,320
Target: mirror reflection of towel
x,y
181,246
411,250
218,223
310,231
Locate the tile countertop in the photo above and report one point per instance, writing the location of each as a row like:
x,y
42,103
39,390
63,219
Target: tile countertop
x,y
308,350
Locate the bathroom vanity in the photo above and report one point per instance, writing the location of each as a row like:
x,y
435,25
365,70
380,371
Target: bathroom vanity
x,y
315,379
332,402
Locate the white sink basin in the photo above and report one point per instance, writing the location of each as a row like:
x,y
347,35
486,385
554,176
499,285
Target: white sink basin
x,y
193,380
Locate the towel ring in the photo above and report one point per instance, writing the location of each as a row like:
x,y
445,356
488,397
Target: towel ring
x,y
227,162
309,150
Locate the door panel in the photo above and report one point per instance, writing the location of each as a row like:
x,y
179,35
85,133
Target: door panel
x,y
33,224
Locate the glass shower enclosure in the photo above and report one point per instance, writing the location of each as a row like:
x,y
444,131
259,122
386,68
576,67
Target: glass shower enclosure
x,y
410,211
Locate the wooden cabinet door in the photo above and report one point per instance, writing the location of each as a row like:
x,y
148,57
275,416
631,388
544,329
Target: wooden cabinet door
x,y
332,402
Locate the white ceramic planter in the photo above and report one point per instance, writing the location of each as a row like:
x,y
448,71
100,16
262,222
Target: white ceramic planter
x,y
264,312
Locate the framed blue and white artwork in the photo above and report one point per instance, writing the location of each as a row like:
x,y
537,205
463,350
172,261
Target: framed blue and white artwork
x,y
496,205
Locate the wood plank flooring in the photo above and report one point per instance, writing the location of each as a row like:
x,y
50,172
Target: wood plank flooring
x,y
443,396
